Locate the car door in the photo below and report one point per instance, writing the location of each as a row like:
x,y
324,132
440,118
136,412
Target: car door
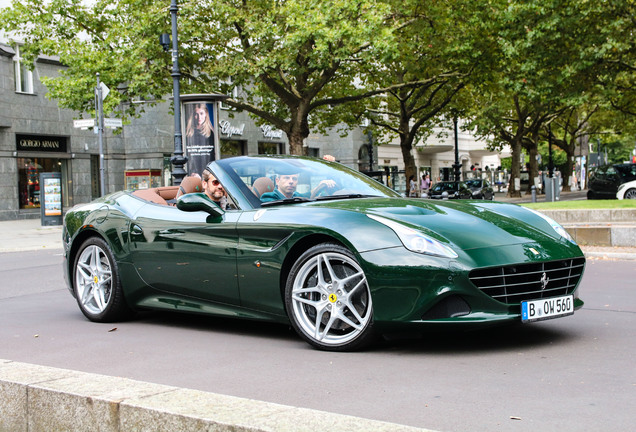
x,y
609,183
186,253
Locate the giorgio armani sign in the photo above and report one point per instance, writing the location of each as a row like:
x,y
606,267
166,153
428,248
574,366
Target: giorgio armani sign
x,y
40,143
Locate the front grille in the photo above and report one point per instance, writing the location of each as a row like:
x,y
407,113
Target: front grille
x,y
516,283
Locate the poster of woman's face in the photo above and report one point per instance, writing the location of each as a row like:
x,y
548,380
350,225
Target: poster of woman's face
x,y
199,136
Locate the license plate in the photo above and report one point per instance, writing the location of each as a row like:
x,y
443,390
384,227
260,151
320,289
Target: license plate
x,y
537,310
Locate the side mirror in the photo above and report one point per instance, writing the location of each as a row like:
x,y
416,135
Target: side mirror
x,y
199,202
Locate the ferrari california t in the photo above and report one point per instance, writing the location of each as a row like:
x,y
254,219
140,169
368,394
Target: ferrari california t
x,y
312,243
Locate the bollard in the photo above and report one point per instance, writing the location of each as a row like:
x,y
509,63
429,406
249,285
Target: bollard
x,y
444,195
534,193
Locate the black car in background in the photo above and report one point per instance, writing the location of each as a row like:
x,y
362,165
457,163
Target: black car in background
x,y
481,189
453,189
604,181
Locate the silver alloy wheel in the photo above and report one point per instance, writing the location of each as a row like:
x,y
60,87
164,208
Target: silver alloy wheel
x,y
331,300
93,280
630,194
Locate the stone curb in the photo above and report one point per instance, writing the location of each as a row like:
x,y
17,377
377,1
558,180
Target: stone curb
x,y
43,399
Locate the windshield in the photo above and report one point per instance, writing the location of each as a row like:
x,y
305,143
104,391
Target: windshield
x,y
284,179
445,187
473,183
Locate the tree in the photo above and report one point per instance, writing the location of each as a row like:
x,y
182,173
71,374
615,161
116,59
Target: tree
x,y
297,57
435,56
117,39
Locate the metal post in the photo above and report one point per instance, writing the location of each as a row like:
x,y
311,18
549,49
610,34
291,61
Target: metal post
x,y
550,164
370,147
456,165
100,136
178,160
534,193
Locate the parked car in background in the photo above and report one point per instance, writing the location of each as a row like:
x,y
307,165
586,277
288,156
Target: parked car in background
x,y
627,190
605,180
481,189
453,189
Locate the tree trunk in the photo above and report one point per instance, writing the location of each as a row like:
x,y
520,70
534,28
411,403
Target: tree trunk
x,y
515,170
410,169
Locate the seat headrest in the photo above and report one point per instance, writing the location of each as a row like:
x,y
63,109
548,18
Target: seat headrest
x,y
262,185
189,185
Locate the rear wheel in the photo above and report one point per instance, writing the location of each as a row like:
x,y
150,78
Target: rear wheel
x,y
328,299
96,281
630,194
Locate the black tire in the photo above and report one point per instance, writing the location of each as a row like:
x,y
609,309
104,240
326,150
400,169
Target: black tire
x,y
97,284
328,299
630,194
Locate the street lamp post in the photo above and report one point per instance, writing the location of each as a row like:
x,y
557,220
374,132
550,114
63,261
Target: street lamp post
x,y
456,165
178,160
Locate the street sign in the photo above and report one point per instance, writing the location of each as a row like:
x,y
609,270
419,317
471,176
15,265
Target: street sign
x,y
105,90
83,123
112,122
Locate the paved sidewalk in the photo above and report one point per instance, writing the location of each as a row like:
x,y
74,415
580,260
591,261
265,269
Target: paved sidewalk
x,y
29,234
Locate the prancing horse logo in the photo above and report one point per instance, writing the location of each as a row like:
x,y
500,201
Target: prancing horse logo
x,y
544,281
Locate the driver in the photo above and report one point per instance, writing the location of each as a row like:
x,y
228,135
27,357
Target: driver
x,y
214,189
286,185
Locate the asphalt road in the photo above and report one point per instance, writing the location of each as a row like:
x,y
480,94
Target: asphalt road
x,y
571,374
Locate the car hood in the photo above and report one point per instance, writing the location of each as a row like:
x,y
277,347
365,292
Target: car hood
x,y
467,224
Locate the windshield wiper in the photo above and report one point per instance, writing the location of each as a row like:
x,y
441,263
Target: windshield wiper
x,y
344,196
286,201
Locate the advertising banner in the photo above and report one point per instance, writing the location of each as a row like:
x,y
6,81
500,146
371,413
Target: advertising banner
x,y
200,139
51,198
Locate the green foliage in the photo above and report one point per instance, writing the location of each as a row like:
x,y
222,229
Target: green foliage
x,y
511,66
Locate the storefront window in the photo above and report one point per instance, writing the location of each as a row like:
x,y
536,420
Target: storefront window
x,y
270,148
29,170
232,148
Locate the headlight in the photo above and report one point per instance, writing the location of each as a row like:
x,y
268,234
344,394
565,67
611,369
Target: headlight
x,y
416,241
621,187
555,226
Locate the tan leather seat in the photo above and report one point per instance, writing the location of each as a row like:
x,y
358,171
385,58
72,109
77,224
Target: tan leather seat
x,y
189,185
150,195
262,185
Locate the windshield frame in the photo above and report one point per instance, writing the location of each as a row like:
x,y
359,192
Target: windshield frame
x,y
241,170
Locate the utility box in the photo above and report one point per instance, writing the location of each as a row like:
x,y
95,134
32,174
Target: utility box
x,y
552,189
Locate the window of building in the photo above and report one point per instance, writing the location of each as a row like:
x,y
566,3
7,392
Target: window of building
x,y
231,89
313,152
29,169
231,148
270,148
23,75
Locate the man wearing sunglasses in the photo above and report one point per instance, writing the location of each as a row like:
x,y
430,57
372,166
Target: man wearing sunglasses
x,y
214,189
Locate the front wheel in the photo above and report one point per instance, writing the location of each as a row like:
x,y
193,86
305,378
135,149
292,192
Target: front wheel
x,y
328,299
97,285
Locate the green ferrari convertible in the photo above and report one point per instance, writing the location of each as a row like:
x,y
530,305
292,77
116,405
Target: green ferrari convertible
x,y
339,256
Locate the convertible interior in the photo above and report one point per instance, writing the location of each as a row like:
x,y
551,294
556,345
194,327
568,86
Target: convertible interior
x,y
167,195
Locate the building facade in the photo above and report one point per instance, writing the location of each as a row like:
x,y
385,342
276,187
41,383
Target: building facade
x,y
435,155
37,136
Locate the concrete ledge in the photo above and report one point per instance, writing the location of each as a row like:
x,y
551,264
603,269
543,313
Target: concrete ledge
x,y
44,399
592,216
598,227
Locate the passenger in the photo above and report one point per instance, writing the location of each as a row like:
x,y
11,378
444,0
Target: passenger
x,y
286,185
214,189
